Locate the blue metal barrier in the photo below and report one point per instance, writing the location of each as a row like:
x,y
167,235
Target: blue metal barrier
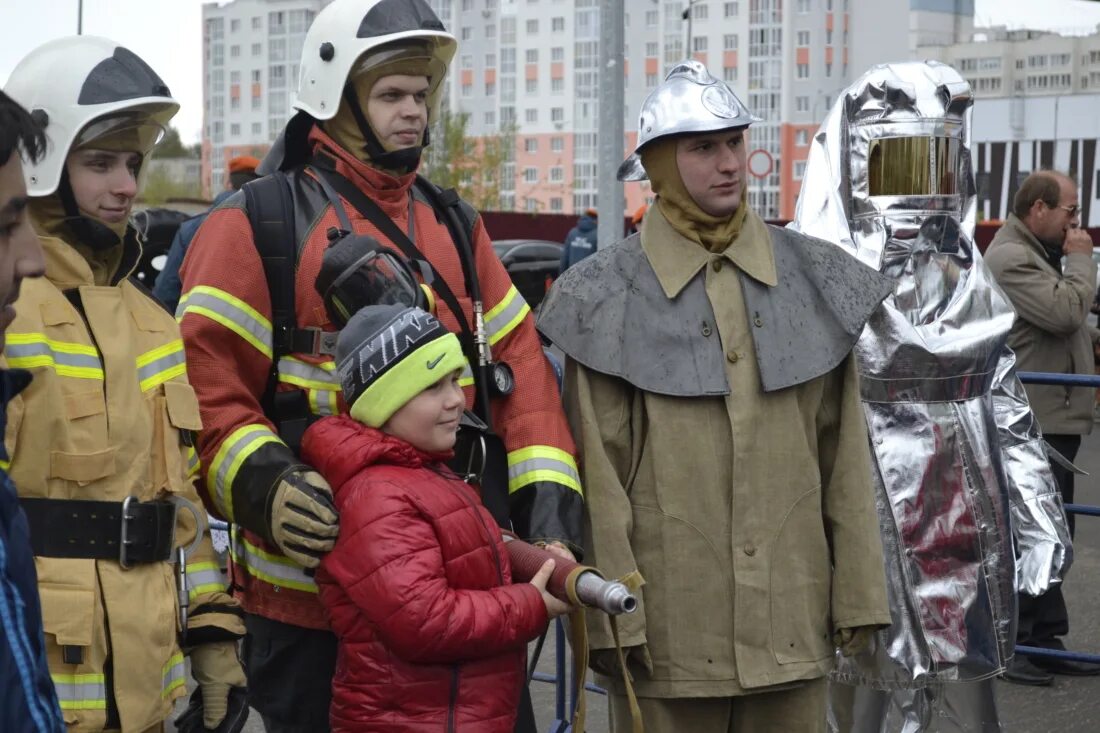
x,y
1066,380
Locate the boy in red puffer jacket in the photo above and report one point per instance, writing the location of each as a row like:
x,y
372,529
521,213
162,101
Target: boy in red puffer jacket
x,y
432,632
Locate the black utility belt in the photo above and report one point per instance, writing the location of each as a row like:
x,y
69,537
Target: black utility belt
x,y
131,531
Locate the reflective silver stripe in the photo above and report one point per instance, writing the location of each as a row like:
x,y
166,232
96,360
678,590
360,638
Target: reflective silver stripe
x,y
240,444
172,676
323,402
81,691
278,571
256,332
147,375
542,464
25,351
204,579
500,323
307,375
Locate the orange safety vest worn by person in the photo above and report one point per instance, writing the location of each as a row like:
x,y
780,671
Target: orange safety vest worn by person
x,y
101,440
372,75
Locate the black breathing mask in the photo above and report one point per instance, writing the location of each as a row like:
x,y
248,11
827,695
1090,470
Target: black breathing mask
x,y
357,271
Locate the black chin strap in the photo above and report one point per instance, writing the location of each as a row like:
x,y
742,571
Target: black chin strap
x,y
405,159
95,234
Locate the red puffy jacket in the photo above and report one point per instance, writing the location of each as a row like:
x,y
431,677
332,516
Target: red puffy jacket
x,y
418,589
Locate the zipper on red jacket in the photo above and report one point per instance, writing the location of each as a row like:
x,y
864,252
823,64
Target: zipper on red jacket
x,y
454,700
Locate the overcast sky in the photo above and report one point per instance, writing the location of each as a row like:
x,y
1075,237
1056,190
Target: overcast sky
x,y
167,34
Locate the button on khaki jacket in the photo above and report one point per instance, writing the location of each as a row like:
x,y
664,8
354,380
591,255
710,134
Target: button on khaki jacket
x,y
750,516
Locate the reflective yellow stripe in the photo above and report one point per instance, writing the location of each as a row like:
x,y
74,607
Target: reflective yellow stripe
x,y
172,675
80,691
161,364
233,451
231,312
5,465
275,569
30,350
204,577
192,461
503,318
307,375
542,463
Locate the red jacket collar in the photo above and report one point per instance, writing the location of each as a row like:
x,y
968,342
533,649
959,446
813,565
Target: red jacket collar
x,y
340,447
390,192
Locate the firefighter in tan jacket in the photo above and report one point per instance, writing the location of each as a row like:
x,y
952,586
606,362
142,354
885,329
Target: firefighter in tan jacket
x,y
101,441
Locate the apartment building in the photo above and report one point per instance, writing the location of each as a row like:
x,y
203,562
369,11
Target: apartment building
x,y
534,64
251,54
1036,94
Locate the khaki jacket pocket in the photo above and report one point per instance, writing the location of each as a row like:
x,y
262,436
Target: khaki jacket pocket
x,y
800,583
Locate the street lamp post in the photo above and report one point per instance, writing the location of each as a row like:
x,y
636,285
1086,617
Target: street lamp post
x,y
610,190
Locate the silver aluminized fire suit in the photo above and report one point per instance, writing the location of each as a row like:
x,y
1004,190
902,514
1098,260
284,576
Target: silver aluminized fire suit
x,y
960,465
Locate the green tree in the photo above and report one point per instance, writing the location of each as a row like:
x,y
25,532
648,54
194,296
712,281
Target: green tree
x,y
160,187
470,165
171,146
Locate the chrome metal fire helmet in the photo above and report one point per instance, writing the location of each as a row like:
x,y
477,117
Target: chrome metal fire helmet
x,y
689,100
896,143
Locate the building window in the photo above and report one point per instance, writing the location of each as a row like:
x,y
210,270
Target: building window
x,y
467,32
557,174
507,60
217,54
803,38
557,144
651,80
532,56
532,86
555,204
257,49
699,43
531,115
531,145
557,53
729,42
508,30
257,23
802,137
557,114
276,22
729,73
467,5
234,103
276,49
557,24
257,130
530,175
799,169
235,129
652,49
699,12
557,86
802,104
276,77
730,10
651,18
490,118
802,7
531,204
532,27
234,25
467,90
490,89
300,20
802,71
507,115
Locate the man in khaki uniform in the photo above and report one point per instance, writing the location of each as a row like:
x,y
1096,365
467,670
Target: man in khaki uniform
x,y
715,404
1051,333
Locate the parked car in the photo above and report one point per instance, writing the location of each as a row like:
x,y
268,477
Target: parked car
x,y
532,264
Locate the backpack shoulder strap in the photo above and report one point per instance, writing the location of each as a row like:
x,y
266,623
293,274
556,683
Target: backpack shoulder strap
x,y
270,208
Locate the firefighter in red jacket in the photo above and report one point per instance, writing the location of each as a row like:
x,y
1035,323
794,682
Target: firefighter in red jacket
x,y
372,76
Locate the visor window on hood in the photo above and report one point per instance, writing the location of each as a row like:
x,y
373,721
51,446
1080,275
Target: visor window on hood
x,y
912,166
